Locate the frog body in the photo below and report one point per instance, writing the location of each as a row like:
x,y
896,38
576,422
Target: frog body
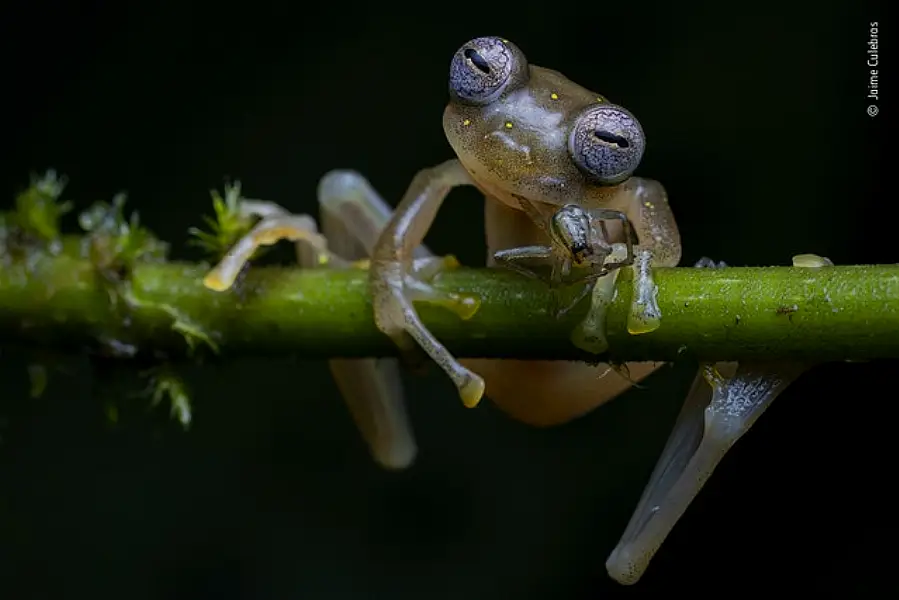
x,y
532,141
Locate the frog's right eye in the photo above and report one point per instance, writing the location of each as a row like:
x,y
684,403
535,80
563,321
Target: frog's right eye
x,y
484,68
606,143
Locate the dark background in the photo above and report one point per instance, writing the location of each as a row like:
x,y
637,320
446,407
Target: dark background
x,y
756,124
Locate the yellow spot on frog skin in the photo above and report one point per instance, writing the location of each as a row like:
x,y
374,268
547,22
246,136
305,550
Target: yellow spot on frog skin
x,y
508,124
647,204
554,96
600,99
466,122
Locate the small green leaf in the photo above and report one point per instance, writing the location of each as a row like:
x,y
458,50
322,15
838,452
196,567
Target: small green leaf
x,y
228,225
168,385
115,240
38,209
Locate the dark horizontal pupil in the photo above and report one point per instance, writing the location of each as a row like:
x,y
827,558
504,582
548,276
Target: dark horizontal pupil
x,y
611,138
477,60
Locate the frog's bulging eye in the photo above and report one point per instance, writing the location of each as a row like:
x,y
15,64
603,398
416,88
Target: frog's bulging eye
x,y
607,143
484,68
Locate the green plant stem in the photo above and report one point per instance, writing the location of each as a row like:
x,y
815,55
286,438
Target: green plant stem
x,y
831,313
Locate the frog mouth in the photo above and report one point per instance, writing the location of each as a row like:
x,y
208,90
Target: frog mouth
x,y
475,171
507,197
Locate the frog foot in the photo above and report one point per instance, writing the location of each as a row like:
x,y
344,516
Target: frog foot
x,y
590,334
396,317
418,286
273,228
707,263
395,287
645,315
811,261
717,412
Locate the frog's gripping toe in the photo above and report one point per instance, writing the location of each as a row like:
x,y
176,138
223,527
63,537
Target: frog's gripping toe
x,y
215,282
811,261
707,263
420,290
450,262
396,317
713,418
590,334
472,390
464,306
270,230
645,315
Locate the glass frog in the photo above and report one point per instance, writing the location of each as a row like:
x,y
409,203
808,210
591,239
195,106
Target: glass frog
x,y
532,141
541,148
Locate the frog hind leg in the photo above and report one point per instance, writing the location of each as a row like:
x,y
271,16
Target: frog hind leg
x,y
396,286
717,412
645,202
352,217
638,544
276,224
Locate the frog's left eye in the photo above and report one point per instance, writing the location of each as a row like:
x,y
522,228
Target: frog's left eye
x,y
484,68
606,143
